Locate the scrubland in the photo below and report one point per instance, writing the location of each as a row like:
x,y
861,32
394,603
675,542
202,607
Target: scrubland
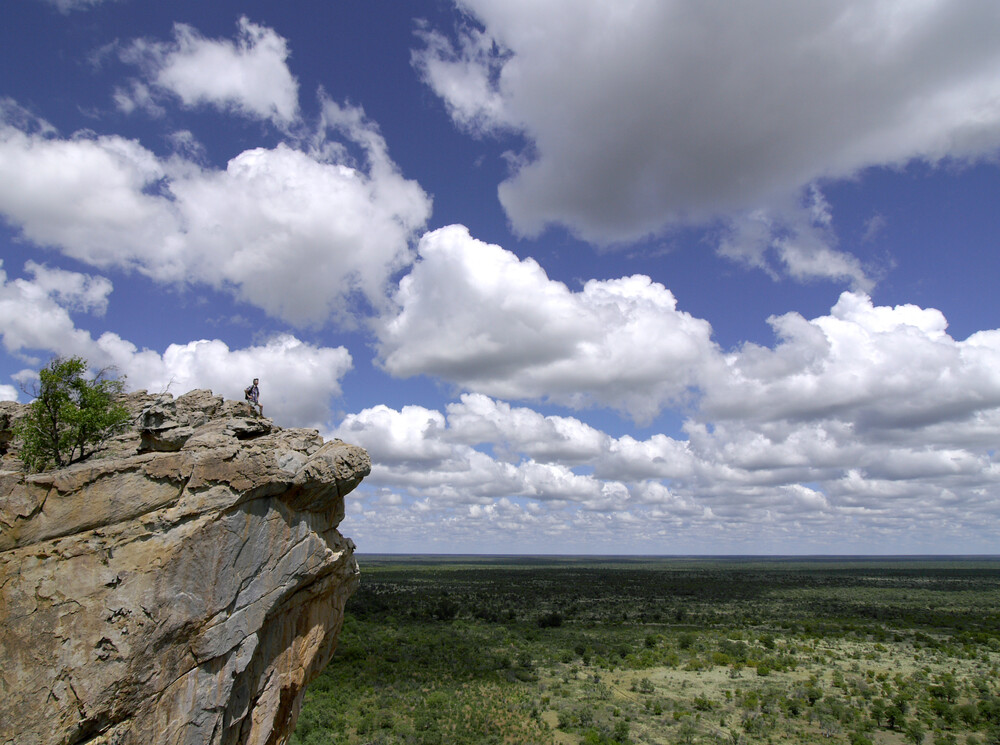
x,y
544,650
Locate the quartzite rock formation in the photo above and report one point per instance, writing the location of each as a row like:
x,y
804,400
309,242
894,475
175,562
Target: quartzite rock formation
x,y
182,589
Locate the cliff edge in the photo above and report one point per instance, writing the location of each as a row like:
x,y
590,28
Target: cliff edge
x,y
184,588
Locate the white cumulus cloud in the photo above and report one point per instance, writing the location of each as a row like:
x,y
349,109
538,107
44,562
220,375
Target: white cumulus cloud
x,y
300,234
877,367
808,487
822,442
34,314
419,451
249,76
517,430
478,316
298,380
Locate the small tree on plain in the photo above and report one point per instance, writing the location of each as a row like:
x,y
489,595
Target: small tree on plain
x,y
71,417
913,731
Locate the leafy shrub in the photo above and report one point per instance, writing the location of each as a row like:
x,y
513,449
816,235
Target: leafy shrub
x,y
550,620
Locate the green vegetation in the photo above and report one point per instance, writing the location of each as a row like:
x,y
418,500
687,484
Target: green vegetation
x,y
522,650
71,416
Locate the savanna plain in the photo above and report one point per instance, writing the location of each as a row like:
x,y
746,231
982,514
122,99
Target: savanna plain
x,y
451,650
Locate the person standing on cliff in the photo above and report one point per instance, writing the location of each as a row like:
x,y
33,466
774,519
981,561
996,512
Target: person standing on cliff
x,y
252,394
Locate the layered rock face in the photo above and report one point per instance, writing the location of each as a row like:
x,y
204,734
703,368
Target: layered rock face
x,y
183,589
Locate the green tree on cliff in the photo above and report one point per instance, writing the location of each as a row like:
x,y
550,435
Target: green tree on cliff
x,y
71,417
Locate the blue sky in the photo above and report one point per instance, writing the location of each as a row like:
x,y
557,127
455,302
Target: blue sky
x,y
583,277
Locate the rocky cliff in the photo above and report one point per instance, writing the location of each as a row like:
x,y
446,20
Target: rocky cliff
x,y
183,588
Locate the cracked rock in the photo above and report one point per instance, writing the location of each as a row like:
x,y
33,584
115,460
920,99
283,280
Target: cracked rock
x,y
184,589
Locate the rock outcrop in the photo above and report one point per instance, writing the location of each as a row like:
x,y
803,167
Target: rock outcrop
x,y
182,589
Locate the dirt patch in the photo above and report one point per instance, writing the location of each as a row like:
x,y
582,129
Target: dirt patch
x,y
551,718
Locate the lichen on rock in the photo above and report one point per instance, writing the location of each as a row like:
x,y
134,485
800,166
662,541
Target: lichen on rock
x,y
183,589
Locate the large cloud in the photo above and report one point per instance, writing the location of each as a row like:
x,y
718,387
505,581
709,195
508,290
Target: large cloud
x,y
481,472
876,367
415,449
513,431
249,76
852,419
655,112
296,233
298,380
34,310
476,315
830,440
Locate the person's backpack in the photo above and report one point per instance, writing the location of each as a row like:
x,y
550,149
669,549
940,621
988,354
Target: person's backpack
x,y
246,392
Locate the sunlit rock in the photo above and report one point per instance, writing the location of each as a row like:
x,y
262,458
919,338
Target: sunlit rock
x,y
184,589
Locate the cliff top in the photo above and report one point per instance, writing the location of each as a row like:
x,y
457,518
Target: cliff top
x,y
181,586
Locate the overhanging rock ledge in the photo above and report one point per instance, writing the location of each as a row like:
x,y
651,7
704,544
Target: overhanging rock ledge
x,y
183,589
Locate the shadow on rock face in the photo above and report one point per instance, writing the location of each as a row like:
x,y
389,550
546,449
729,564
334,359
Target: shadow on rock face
x,y
184,589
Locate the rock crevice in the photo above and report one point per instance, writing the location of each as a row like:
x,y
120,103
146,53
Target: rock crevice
x,y
183,589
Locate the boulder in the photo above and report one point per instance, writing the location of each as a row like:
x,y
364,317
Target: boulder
x,y
183,590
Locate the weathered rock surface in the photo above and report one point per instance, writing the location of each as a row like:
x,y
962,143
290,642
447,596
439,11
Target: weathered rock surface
x,y
183,590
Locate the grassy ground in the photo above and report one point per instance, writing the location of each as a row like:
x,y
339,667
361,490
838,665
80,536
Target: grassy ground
x,y
663,651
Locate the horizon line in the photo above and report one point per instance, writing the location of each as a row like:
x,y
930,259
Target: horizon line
x,y
675,556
